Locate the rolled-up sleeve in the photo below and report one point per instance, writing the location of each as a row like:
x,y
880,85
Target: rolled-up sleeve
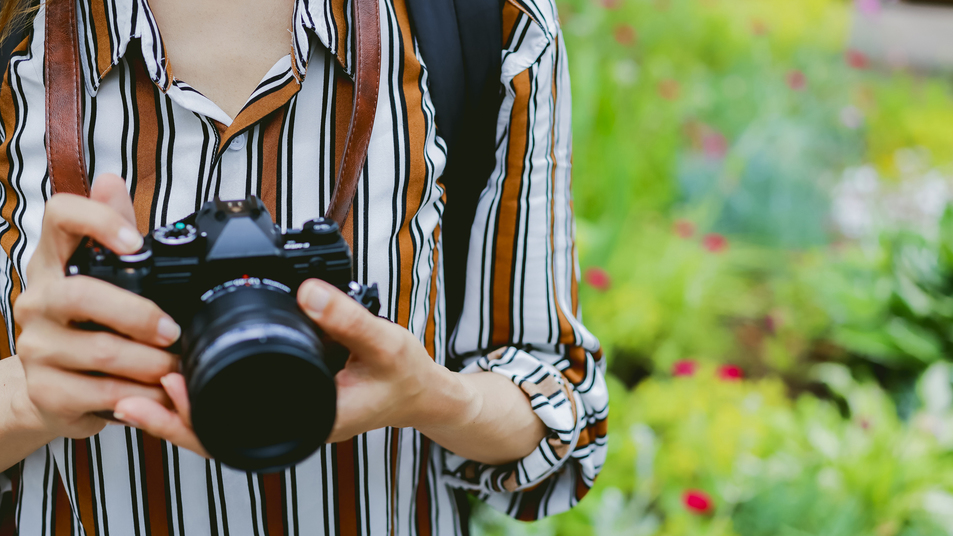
x,y
520,315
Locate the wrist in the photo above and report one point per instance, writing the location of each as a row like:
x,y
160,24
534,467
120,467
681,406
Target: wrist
x,y
448,400
22,415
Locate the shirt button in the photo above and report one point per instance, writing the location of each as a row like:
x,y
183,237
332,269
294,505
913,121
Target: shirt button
x,y
237,143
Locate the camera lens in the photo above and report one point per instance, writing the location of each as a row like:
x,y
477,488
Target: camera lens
x,y
261,392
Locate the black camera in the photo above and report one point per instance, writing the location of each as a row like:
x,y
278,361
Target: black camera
x,y
260,374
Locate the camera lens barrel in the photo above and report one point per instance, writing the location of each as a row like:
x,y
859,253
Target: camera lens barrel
x,y
262,395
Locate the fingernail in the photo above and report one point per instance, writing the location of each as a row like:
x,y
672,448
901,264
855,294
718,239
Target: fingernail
x,y
130,239
122,417
316,298
168,330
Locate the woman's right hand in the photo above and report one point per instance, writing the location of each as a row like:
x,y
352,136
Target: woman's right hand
x,y
72,373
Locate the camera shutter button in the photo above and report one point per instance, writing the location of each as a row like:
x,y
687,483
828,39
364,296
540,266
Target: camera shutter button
x,y
322,231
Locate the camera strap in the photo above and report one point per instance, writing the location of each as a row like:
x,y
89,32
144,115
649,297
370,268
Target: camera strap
x,y
64,126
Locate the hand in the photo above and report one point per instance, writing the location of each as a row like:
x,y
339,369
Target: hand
x,y
58,357
388,376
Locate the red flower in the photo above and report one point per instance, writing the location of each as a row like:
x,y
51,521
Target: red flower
x,y
684,228
857,59
597,278
697,502
730,373
611,4
669,89
684,367
625,34
715,242
796,80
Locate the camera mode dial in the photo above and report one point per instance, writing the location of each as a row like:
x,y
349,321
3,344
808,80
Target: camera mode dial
x,y
176,234
322,231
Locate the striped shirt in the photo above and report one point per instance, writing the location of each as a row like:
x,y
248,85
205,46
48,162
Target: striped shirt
x,y
177,149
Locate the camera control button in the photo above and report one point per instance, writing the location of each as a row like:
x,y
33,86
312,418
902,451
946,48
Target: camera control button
x,y
238,142
322,230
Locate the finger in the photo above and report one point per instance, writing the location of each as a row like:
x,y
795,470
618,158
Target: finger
x,y
105,353
178,392
153,418
343,319
86,299
63,392
110,189
68,218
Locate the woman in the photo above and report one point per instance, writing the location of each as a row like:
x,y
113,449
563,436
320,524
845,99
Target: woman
x,y
243,97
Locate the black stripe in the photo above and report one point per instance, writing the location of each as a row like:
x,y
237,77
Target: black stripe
x,y
132,481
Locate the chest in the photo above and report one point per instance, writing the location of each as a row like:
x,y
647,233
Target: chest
x,y
223,48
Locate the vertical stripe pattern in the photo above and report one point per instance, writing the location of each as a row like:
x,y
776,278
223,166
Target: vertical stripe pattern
x,y
177,150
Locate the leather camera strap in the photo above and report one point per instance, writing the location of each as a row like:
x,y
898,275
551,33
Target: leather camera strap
x,y
64,125
65,154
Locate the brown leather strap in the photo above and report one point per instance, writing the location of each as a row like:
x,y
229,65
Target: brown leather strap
x,y
64,135
64,126
367,55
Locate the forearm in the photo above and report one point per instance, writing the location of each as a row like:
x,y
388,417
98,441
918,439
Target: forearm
x,y
482,417
20,429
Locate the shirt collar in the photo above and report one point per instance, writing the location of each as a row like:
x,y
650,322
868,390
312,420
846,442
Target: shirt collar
x,y
107,27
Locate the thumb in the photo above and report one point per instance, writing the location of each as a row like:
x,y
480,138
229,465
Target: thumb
x,y
342,318
110,189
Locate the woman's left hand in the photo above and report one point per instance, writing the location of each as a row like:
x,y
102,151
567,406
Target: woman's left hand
x,y
389,374
384,382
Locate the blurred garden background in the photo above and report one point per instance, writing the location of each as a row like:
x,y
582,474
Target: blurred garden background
x,y
763,198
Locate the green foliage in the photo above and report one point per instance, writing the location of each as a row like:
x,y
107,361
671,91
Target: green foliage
x,y
771,465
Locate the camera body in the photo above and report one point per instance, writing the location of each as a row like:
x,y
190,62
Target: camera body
x,y
260,374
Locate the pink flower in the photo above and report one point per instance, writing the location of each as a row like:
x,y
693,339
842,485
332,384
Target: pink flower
x,y
697,502
730,373
684,229
669,89
857,59
624,34
597,278
796,80
684,367
611,4
715,242
714,144
770,324
868,7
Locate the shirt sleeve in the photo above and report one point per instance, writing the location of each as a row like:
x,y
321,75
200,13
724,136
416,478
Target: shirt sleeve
x,y
520,314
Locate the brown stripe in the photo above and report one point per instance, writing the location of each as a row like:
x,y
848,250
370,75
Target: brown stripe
x,y
347,514
566,335
257,110
147,119
83,469
508,213
61,522
273,497
415,131
103,46
394,449
269,164
423,490
339,14
154,485
430,332
511,15
10,237
581,488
